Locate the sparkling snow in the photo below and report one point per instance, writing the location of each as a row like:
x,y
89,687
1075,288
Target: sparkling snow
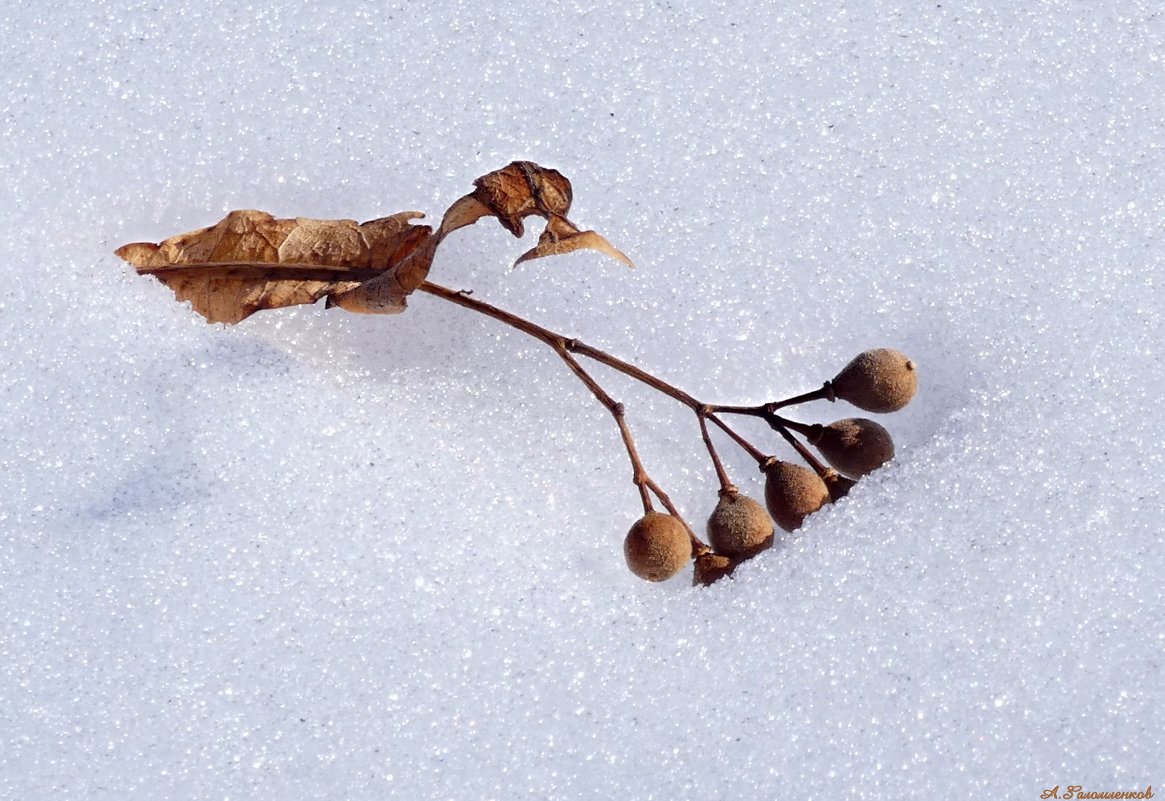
x,y
319,555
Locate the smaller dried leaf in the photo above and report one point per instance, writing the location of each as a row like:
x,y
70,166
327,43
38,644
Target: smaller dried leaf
x,y
561,236
465,211
386,293
520,189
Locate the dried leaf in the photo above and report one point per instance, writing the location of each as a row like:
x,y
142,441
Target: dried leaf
x,y
561,236
386,293
466,211
232,269
520,189
711,567
251,260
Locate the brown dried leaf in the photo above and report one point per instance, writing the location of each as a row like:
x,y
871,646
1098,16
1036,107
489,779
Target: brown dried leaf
x,y
466,211
386,293
520,189
561,236
250,260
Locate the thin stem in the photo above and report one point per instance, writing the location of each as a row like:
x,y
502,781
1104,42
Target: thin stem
x,y
564,347
754,411
642,480
553,339
804,429
639,474
806,454
748,447
628,369
721,474
824,393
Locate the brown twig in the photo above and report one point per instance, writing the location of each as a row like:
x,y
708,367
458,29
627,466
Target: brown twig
x,y
766,410
778,425
554,339
824,393
721,474
640,477
747,446
754,411
565,347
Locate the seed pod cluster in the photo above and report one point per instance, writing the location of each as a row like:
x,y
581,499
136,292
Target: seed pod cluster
x,y
881,380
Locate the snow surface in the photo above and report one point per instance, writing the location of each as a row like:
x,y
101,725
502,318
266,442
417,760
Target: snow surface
x,y
320,555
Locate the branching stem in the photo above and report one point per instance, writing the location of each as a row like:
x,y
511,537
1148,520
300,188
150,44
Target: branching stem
x,y
639,475
768,413
818,467
570,345
554,340
565,347
747,446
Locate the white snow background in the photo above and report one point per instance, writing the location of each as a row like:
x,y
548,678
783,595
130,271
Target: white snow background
x,y
319,555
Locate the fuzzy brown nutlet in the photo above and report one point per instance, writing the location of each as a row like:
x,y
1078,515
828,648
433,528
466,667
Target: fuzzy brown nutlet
x,y
878,380
855,446
739,526
657,546
792,493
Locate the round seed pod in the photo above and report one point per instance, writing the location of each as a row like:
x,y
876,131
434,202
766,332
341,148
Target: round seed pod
x,y
739,526
711,567
855,446
838,485
657,546
792,493
878,380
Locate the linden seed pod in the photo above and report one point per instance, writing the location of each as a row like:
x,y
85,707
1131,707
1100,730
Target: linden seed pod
x,y
878,380
838,485
855,446
792,493
739,526
657,546
711,567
